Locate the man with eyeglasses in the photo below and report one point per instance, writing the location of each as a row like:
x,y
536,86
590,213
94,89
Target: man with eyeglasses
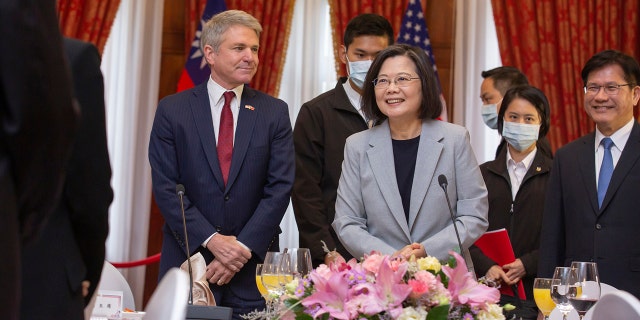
x,y
320,132
593,199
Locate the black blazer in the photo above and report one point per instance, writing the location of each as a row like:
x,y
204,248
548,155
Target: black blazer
x,y
322,127
36,130
575,229
72,245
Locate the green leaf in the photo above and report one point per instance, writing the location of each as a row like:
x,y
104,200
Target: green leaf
x,y
303,316
438,313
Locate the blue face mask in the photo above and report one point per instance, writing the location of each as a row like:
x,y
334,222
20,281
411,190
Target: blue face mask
x,y
358,71
520,135
490,115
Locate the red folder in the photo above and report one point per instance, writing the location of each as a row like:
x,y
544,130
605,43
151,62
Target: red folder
x,y
496,245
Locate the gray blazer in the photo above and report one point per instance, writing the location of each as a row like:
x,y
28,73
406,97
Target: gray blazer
x,y
369,211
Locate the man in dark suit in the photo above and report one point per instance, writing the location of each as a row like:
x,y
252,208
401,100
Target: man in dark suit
x,y
37,122
67,258
590,213
237,169
322,126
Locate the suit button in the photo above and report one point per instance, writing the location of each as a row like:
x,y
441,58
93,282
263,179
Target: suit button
x,y
598,226
226,198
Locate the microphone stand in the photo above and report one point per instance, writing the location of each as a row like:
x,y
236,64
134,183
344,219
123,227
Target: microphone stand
x,y
442,180
195,312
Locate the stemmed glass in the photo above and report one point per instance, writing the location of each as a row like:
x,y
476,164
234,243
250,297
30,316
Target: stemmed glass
x,y
298,263
542,296
263,291
584,290
272,270
560,290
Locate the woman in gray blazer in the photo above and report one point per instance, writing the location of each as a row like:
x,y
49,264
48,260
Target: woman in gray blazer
x,y
389,199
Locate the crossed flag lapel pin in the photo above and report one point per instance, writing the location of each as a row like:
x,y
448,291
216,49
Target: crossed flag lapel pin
x,y
250,107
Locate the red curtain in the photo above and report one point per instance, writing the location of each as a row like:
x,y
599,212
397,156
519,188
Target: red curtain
x,y
275,17
343,11
88,20
550,41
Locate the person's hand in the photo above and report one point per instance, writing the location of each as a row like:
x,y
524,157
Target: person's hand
x,y
514,272
496,273
85,288
228,251
333,257
219,274
414,249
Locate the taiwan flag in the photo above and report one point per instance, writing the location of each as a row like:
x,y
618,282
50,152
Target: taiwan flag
x,y
196,70
414,32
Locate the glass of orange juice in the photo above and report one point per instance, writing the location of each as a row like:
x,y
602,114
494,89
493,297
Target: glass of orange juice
x,y
542,296
261,288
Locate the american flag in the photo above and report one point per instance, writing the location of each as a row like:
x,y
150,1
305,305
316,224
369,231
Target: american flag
x,y
414,32
196,70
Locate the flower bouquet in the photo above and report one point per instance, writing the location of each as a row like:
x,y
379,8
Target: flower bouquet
x,y
384,287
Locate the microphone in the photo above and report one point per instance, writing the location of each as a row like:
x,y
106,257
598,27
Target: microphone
x,y
193,311
180,192
442,181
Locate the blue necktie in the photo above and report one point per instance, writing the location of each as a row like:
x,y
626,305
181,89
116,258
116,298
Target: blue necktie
x,y
606,170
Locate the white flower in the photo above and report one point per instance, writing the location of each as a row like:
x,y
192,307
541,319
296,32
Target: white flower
x,y
410,313
491,312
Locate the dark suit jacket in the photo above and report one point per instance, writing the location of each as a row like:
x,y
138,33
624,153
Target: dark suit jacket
x,y
36,129
322,127
574,229
71,247
182,150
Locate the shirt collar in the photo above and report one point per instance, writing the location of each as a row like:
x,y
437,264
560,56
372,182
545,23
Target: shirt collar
x,y
354,97
619,137
526,161
216,91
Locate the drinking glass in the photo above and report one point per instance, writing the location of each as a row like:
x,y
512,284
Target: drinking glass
x,y
261,288
542,296
271,270
560,290
298,263
584,289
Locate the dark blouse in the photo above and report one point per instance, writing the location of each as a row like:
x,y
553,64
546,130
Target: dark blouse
x,y
405,153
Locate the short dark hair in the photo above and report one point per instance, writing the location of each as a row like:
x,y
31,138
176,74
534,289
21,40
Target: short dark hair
x,y
368,24
628,64
536,97
431,105
505,77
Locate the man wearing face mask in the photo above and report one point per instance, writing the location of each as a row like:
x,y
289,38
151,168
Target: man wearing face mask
x,y
319,135
516,182
494,86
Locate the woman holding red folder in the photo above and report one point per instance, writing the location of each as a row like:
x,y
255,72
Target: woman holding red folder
x,y
516,181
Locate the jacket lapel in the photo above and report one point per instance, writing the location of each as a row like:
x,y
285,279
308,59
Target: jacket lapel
x,y
587,164
380,157
246,123
201,109
429,151
628,159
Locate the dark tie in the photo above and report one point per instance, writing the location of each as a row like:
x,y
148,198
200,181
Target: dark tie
x,y
606,170
225,136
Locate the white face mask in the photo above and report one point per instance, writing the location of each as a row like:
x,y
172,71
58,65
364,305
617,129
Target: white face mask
x,y
520,135
358,71
490,115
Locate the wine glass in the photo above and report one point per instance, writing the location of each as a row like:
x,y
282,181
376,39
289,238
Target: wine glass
x,y
560,290
298,263
271,270
542,295
261,288
584,290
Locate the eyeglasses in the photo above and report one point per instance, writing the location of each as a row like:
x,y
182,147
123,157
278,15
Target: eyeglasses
x,y
610,89
399,81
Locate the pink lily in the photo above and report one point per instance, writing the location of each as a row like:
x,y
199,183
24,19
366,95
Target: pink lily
x,y
464,288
